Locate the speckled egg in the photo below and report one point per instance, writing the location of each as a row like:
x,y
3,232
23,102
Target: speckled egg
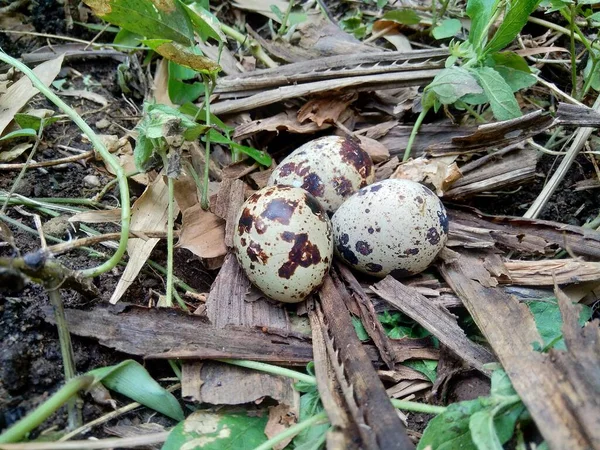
x,y
331,168
391,225
283,242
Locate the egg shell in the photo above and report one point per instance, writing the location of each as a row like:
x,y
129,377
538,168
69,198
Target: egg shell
x,y
392,225
283,241
331,168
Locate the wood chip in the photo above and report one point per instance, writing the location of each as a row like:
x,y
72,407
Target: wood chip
x,y
438,322
510,329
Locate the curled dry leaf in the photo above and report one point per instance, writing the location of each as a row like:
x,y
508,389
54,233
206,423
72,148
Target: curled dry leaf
x,y
124,152
376,150
440,172
281,417
14,152
327,109
284,121
202,233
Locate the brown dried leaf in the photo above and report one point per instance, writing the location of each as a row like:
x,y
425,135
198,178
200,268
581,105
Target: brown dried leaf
x,y
202,233
91,96
281,417
14,152
439,172
284,121
17,96
149,212
376,150
327,109
101,216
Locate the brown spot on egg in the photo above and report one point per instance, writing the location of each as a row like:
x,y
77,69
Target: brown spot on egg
x,y
243,242
312,183
315,207
245,222
280,210
374,268
286,169
256,253
303,254
288,236
363,248
433,237
352,154
342,186
411,251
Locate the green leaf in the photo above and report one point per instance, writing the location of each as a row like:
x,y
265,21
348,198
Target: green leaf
x,y
515,18
593,72
25,132
447,28
483,431
33,121
512,60
182,55
258,155
360,329
130,379
205,23
165,19
404,16
516,79
480,13
548,321
427,367
310,405
128,38
450,429
179,91
501,385
503,102
204,430
142,153
453,83
506,421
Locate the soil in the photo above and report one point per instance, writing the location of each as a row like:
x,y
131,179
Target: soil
x,y
30,361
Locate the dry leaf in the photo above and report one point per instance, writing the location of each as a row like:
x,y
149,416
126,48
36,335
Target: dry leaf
x,y
149,213
91,96
14,152
124,152
376,150
159,89
262,7
327,109
17,96
284,121
281,417
202,233
439,172
101,216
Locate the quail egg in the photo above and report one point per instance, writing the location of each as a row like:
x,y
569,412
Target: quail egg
x,y
394,226
283,242
331,168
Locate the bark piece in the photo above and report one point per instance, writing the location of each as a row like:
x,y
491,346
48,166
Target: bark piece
x,y
365,395
550,272
158,333
226,303
548,391
438,322
470,228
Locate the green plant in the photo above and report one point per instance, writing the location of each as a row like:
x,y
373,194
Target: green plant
x,y
476,71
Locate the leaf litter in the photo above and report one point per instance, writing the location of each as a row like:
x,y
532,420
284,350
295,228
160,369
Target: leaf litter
x,y
493,295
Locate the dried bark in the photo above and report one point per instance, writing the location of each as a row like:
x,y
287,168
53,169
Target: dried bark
x,y
437,321
548,390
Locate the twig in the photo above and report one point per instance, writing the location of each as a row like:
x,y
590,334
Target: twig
x,y
579,141
557,91
133,441
66,351
92,240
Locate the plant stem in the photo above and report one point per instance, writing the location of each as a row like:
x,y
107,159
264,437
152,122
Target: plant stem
x,y
563,30
413,134
112,161
20,429
283,28
205,202
170,225
444,8
269,368
294,430
254,46
434,15
66,351
417,407
571,21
